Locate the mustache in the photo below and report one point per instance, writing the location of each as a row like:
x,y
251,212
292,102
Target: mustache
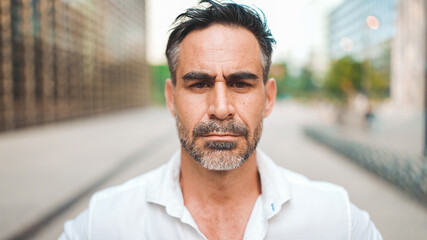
x,y
213,126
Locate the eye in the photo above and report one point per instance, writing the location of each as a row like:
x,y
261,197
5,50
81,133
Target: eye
x,y
239,85
200,85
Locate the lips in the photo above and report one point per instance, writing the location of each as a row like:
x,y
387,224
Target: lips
x,y
219,129
222,137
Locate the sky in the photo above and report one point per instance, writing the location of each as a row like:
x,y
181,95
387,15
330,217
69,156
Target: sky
x,y
299,27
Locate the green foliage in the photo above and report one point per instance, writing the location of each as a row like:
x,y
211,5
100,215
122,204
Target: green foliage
x,y
343,78
347,77
380,83
306,79
158,75
299,85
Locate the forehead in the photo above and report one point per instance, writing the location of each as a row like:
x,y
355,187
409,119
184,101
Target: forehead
x,y
221,47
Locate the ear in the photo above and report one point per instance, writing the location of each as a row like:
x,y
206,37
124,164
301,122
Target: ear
x,y
271,89
169,94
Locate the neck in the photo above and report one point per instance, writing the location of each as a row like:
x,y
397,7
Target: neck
x,y
219,187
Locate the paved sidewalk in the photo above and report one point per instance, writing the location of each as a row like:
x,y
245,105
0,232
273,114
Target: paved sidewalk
x,y
43,168
391,146
405,169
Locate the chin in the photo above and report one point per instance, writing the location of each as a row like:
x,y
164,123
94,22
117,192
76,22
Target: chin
x,y
222,160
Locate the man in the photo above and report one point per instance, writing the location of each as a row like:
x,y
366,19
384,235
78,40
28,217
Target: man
x,y
219,186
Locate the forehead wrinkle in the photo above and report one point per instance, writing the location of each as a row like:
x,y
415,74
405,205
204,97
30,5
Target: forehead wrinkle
x,y
219,51
223,56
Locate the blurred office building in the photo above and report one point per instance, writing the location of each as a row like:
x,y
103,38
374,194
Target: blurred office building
x,y
390,37
363,29
358,27
409,60
67,59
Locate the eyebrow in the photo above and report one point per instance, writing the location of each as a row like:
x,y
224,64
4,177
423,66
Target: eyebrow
x,y
198,76
241,76
232,77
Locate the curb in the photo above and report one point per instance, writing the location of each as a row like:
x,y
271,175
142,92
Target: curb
x,y
408,171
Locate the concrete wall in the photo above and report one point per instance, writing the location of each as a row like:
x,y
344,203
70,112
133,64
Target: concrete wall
x,y
409,57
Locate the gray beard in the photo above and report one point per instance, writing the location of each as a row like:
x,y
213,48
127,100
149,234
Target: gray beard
x,y
219,155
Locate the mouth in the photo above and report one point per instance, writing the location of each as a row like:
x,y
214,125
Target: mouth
x,y
221,136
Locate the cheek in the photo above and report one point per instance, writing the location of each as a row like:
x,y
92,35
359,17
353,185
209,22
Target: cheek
x,y
251,109
190,109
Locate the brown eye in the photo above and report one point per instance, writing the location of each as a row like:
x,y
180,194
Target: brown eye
x,y
200,85
239,85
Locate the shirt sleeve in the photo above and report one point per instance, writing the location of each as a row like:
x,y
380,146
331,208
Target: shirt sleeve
x,y
362,228
76,229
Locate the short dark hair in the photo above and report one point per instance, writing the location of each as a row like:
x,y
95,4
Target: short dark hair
x,y
220,13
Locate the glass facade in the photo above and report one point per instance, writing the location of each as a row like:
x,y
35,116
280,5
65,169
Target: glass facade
x,y
66,59
351,34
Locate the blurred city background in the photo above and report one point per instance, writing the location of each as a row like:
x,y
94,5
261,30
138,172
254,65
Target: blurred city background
x,y
82,105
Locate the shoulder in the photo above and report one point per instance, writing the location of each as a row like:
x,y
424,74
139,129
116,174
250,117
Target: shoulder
x,y
302,192
318,200
322,207
325,208
119,197
300,184
113,204
362,226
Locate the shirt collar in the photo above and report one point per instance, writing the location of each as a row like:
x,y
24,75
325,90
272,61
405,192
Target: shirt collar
x,y
164,189
275,187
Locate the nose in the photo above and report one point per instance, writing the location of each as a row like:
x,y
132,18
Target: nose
x,y
220,102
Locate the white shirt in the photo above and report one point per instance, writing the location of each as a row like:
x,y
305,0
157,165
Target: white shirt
x,y
151,206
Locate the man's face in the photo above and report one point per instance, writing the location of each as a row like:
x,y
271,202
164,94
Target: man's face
x,y
220,100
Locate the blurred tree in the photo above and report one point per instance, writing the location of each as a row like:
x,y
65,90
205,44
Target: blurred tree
x,y
305,80
343,79
299,85
378,82
158,74
279,71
